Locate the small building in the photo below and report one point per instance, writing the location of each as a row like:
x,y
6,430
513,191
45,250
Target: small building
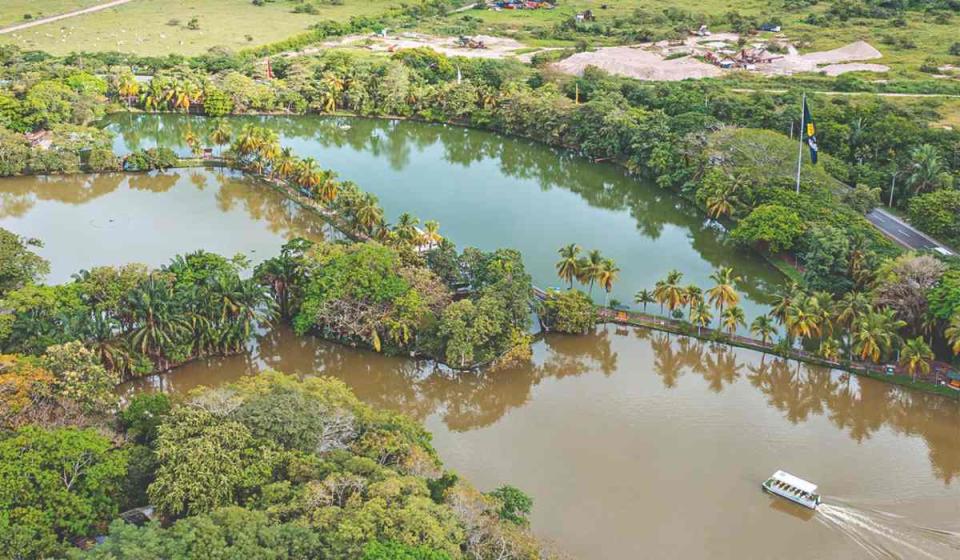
x,y
772,28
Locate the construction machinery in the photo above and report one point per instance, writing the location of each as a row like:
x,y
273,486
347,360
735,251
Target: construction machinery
x,y
470,43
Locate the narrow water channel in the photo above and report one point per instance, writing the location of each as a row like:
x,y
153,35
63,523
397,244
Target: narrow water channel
x,y
634,444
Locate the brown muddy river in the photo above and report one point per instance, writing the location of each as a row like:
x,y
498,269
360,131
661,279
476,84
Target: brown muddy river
x,y
632,443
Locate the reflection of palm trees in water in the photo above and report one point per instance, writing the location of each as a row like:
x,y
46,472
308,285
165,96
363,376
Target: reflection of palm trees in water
x,y
857,406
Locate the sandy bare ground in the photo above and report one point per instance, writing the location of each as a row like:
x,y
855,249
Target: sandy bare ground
x,y
638,63
41,21
651,61
835,60
497,47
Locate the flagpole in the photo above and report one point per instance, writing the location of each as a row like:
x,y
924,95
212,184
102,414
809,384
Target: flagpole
x,y
803,123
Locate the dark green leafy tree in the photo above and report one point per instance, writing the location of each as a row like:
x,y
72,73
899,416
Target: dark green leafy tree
x,y
55,485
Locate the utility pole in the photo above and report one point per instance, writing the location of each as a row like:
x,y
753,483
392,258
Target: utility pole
x,y
893,181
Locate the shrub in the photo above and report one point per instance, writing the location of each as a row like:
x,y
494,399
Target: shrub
x,y
102,159
937,213
569,311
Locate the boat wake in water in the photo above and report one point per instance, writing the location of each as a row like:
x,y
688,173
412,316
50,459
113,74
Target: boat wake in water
x,y
885,535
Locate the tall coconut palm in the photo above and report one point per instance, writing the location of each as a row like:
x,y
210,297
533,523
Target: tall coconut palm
x,y
588,268
286,164
607,275
763,328
721,202
643,297
875,334
431,233
829,349
221,135
733,317
952,333
701,315
927,171
192,141
804,318
692,296
369,214
331,86
723,293
567,265
672,293
406,228
328,187
127,87
308,174
916,356
782,302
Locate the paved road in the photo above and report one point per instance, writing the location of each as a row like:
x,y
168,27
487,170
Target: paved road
x,y
902,232
41,21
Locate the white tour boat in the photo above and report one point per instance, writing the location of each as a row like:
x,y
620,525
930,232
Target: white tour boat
x,y
793,488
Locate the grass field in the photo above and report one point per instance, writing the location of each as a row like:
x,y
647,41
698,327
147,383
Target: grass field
x,y
152,27
12,11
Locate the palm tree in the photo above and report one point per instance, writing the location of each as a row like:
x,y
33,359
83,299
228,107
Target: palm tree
x,y
331,87
829,349
670,291
221,135
804,318
567,265
783,302
431,233
952,333
607,275
732,318
368,213
589,268
190,139
692,296
927,171
876,333
308,174
127,87
720,203
701,316
406,228
286,164
328,187
916,355
723,293
643,297
763,327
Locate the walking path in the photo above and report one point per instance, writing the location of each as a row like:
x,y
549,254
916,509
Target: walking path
x,y
41,21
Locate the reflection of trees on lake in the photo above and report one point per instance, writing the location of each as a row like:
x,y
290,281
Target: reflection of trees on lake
x,y
855,405
19,194
466,401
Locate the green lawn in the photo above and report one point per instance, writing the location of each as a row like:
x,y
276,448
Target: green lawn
x,y
12,11
151,27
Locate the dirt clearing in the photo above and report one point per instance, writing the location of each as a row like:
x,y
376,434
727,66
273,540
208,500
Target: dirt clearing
x,y
495,47
635,62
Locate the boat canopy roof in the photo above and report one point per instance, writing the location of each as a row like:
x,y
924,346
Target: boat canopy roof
x,y
796,482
